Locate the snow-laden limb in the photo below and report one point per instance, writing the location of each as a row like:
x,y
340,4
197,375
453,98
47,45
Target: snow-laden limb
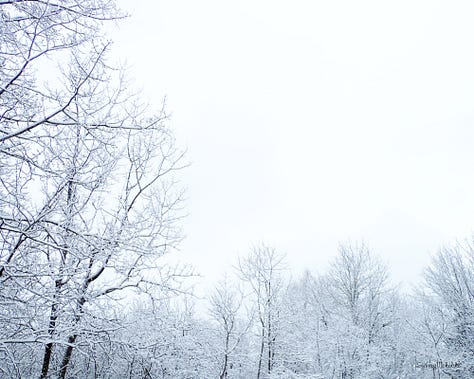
x,y
89,196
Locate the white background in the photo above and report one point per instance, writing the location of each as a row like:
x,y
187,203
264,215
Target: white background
x,y
309,123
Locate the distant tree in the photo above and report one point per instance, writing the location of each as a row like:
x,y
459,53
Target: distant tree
x,y
449,293
303,322
426,344
226,303
262,269
164,339
361,313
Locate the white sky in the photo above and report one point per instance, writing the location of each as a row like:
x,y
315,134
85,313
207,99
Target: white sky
x,y
314,122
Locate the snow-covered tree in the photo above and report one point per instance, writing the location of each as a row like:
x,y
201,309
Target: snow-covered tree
x,y
448,302
88,195
226,306
262,270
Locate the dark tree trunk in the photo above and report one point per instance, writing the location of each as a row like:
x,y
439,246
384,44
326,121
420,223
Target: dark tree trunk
x,y
53,317
262,346
67,356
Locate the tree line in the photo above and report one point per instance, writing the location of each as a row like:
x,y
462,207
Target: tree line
x,y
349,322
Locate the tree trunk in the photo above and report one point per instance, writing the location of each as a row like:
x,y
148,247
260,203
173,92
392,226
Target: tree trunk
x,y
48,350
226,358
262,346
72,339
67,356
270,346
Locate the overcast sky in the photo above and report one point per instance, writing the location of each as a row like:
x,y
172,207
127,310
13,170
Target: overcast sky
x,y
313,122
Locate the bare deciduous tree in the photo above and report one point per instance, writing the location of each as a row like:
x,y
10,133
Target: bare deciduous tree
x,y
262,270
450,286
226,303
357,285
89,201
